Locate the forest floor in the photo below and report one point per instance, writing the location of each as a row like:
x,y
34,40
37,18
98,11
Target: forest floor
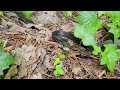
x,y
34,49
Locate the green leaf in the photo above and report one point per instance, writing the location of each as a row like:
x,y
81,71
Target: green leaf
x,y
1,13
55,73
27,14
1,51
67,13
114,30
5,60
1,73
58,66
103,58
111,65
96,50
114,16
1,40
110,56
118,52
113,56
89,25
61,72
62,56
109,47
57,61
90,20
79,31
101,13
87,38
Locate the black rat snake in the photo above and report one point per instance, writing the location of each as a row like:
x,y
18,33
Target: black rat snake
x,y
63,37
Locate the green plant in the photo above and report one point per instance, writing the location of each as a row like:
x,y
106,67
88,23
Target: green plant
x,y
5,60
61,56
58,65
110,56
1,40
27,14
67,13
1,13
89,23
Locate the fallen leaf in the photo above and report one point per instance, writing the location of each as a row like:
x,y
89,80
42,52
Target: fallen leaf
x,y
36,76
76,69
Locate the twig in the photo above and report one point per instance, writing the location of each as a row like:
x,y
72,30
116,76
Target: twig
x,y
90,73
101,74
5,42
33,70
47,75
84,67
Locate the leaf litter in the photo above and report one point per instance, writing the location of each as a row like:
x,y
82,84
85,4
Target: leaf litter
x,y
34,49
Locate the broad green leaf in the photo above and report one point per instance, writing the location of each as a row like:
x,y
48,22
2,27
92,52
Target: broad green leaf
x,y
1,51
79,31
61,72
1,40
89,25
110,56
114,16
101,13
114,30
67,13
96,50
103,58
56,73
113,56
118,52
90,20
27,14
88,40
1,13
58,66
109,46
5,60
62,56
111,65
57,61
83,34
1,73
77,18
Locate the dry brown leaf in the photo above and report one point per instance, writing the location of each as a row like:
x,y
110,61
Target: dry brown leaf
x,y
75,70
3,25
23,55
45,17
28,55
47,63
67,27
36,76
9,48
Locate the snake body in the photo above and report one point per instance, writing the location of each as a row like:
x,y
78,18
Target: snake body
x,y
63,37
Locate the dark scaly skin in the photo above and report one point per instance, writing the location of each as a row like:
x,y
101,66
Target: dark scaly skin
x,y
23,19
101,44
63,37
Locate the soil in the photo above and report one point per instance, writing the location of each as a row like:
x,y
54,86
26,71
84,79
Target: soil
x,y
34,49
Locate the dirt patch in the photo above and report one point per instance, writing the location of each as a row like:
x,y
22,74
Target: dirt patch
x,y
45,17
